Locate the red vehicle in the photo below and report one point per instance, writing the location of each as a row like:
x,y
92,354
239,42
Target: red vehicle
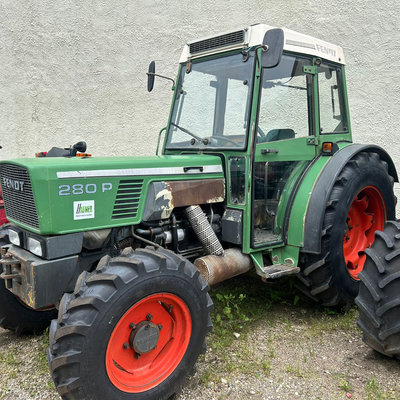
x,y
3,219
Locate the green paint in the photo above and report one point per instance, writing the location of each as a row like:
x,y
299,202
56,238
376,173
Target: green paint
x,y
286,255
56,212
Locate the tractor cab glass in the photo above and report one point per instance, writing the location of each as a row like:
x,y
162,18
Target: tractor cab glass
x,y
331,100
285,103
211,108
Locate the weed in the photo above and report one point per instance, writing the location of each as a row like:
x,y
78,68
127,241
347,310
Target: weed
x,y
331,321
288,324
374,391
345,385
8,359
50,384
42,357
295,370
266,366
206,377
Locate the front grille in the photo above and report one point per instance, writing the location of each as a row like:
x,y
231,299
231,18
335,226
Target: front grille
x,y
128,198
228,39
18,198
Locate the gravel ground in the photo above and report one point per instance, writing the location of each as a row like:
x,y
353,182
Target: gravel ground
x,y
292,352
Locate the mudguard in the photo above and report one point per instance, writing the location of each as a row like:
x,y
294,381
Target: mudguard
x,y
323,187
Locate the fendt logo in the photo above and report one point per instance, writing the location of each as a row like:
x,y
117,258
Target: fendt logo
x,y
13,184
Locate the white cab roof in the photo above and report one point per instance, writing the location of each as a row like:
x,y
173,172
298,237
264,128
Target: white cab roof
x,y
254,35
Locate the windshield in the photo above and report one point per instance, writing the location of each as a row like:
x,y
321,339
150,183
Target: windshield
x,y
211,107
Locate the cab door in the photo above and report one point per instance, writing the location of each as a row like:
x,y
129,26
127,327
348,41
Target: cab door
x,y
285,144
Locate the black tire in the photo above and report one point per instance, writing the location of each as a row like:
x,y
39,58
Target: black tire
x,y
83,336
326,277
379,297
4,235
17,317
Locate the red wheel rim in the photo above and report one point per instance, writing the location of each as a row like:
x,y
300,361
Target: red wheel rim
x,y
134,374
367,214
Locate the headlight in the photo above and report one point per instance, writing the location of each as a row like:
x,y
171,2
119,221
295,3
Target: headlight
x,y
14,237
35,247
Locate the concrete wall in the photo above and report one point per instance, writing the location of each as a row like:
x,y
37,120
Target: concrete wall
x,y
75,70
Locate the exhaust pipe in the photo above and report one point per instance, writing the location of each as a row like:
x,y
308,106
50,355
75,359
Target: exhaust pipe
x,y
204,231
215,269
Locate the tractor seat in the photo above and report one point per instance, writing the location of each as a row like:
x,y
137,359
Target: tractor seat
x,y
277,134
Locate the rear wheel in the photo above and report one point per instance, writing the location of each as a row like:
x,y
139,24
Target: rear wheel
x,y
133,329
360,202
379,297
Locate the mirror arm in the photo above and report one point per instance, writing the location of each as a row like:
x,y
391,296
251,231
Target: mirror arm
x,y
162,76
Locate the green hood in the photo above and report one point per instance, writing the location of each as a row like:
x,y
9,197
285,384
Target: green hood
x,y
62,195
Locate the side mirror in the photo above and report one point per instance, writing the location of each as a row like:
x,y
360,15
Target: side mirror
x,y
273,40
150,76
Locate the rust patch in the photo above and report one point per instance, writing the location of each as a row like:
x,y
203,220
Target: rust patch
x,y
199,191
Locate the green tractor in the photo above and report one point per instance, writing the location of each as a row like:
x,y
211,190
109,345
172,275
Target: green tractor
x,y
257,171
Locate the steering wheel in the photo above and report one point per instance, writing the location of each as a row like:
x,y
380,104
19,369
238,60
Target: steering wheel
x,y
223,138
260,132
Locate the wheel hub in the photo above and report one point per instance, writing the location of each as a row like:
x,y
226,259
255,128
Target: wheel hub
x,y
144,337
142,354
366,215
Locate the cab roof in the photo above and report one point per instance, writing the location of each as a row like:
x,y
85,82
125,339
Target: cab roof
x,y
253,36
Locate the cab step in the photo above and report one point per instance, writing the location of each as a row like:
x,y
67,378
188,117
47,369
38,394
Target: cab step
x,y
275,271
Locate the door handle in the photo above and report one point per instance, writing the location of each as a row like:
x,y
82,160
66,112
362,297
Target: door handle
x,y
268,151
187,169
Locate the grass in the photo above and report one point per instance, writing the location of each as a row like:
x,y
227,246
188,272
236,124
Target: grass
x,y
345,385
374,391
244,303
296,371
8,359
326,320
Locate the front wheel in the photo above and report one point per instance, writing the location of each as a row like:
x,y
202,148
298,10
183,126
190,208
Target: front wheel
x,y
133,329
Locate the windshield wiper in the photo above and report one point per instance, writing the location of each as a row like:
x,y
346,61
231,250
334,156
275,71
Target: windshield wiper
x,y
188,132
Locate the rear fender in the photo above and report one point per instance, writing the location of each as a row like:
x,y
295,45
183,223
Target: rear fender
x,y
321,191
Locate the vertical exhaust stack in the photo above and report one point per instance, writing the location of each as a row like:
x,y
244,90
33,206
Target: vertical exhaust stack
x,y
204,231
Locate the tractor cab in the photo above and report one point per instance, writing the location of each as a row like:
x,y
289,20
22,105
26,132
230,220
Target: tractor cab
x,y
269,102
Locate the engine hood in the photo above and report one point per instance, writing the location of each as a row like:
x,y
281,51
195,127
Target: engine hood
x,y
63,195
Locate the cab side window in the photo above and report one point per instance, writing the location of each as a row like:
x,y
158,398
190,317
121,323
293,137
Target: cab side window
x,y
285,103
331,100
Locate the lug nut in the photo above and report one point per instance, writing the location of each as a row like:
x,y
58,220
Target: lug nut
x,y
160,327
137,356
132,325
149,317
125,346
